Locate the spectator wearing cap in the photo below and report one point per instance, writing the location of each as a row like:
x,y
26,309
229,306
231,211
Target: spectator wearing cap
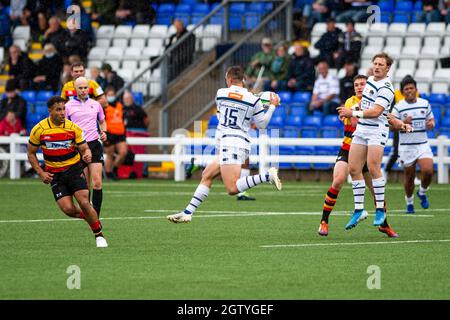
x,y
261,62
21,68
346,83
112,79
10,124
350,44
326,90
49,70
328,44
13,102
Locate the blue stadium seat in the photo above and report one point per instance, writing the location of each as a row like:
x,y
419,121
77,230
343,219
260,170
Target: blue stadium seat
x,y
404,6
43,96
385,17
256,7
217,18
304,150
418,6
213,122
210,132
201,8
183,12
432,133
235,23
285,97
237,8
310,133
291,133
401,17
438,98
190,2
293,121
167,8
29,96
312,121
445,123
138,97
424,96
301,97
332,120
277,121
386,5
444,133
330,133
296,110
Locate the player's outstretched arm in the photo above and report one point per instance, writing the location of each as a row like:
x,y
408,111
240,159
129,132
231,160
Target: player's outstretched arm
x,y
262,121
46,177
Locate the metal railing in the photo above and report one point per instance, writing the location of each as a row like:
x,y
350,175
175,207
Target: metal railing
x,y
264,157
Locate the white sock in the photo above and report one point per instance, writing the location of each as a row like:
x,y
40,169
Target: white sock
x,y
200,194
422,190
378,188
409,200
244,173
249,182
359,187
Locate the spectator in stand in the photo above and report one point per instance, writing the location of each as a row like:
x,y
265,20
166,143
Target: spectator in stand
x,y
37,35
328,44
13,102
323,9
301,72
5,28
21,68
16,11
103,11
96,76
430,12
10,124
444,7
85,21
325,96
183,56
112,79
134,116
115,146
279,68
357,11
56,35
350,44
138,12
261,63
49,70
346,83
77,42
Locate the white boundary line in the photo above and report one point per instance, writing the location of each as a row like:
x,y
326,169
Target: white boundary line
x,y
351,243
219,214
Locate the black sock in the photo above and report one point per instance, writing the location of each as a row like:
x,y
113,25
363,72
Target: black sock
x,y
97,198
115,169
385,223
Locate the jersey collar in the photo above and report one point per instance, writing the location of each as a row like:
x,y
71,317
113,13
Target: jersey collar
x,y
238,88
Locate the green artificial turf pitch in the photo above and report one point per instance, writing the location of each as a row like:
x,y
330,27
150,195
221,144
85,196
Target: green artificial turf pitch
x,y
263,249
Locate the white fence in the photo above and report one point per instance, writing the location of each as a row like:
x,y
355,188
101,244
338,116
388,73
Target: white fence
x,y
264,157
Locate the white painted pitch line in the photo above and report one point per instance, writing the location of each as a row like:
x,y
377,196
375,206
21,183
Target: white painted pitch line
x,y
220,214
351,243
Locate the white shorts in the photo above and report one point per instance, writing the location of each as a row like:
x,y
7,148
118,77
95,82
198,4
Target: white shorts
x,y
377,138
408,156
233,155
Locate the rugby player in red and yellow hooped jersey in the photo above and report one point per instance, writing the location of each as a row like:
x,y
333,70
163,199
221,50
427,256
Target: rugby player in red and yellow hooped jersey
x,y
340,171
95,91
61,142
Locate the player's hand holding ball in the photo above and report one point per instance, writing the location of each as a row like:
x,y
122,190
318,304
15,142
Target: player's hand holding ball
x,y
274,99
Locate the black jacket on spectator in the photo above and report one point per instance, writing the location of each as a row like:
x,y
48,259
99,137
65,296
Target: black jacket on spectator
x,y
349,47
18,105
23,71
346,87
115,81
51,68
77,43
134,117
182,56
302,69
58,39
328,44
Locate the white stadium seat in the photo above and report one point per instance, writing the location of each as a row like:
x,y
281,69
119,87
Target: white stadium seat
x,y
445,52
441,75
423,75
115,64
413,41
114,53
394,41
125,74
362,28
21,43
416,29
375,41
132,53
432,42
130,64
429,52
397,28
401,73
94,63
155,43
144,63
394,52
378,29
213,30
2,53
319,29
149,52
103,43
439,87
410,51
171,30
105,31
426,64
409,64
138,42
97,53
435,28
423,87
366,63
156,73
140,31
21,32
369,52
123,31
120,42
447,30
158,31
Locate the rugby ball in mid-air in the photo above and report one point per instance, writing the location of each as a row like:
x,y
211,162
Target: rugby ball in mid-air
x,y
265,97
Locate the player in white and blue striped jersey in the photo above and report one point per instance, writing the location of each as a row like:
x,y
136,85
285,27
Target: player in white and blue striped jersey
x,y
369,140
413,146
236,107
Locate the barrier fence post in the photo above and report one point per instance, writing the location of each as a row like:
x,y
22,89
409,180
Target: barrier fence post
x,y
14,165
180,172
442,167
263,152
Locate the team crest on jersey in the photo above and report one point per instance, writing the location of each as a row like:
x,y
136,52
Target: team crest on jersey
x,y
405,115
422,112
371,92
387,84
